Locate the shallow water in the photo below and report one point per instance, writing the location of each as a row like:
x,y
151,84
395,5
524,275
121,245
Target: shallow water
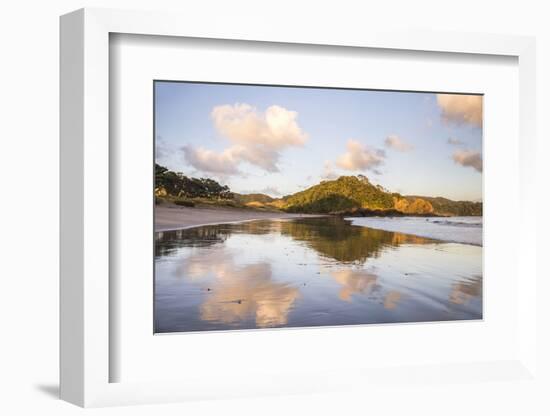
x,y
468,230
309,272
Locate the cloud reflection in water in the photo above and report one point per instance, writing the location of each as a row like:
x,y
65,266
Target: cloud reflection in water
x,y
236,293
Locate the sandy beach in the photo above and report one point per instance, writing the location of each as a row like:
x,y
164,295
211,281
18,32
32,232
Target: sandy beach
x,y
173,217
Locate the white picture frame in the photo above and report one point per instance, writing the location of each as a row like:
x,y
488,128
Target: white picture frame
x,y
85,211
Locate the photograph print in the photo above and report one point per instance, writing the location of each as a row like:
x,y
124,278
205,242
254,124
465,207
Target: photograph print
x,y
286,206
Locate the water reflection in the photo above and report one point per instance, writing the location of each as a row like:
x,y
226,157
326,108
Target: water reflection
x,y
336,239
391,299
464,291
166,242
354,282
250,293
236,293
309,272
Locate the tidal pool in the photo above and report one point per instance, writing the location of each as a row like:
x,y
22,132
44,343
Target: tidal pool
x,y
309,272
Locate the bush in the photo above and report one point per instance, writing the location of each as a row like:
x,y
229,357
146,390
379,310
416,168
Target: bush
x,y
229,203
184,202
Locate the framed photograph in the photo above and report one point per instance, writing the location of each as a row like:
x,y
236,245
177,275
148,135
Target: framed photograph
x,y
250,214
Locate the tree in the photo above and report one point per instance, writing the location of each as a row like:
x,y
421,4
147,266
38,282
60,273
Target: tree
x,y
177,184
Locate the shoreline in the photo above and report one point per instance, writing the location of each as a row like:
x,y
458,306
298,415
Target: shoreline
x,y
401,228
174,217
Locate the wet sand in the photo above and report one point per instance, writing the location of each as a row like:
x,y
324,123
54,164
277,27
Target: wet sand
x,y
174,217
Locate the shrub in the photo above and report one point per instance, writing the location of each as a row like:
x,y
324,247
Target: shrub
x,y
184,202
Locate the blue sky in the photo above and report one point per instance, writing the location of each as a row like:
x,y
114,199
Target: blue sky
x,y
280,140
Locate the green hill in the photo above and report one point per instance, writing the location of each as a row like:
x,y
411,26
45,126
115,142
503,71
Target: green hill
x,y
356,195
447,207
343,194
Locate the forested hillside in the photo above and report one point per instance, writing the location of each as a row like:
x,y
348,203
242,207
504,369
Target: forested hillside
x,y
347,195
344,193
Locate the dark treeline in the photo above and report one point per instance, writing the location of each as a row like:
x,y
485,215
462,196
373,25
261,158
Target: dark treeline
x,y
178,185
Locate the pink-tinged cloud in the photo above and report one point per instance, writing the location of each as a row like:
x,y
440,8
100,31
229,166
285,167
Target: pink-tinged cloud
x,y
242,124
461,109
256,138
395,142
209,161
469,158
359,157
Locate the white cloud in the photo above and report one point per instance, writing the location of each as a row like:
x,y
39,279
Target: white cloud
x,y
461,108
257,138
277,128
395,142
260,156
209,161
455,142
469,158
359,157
